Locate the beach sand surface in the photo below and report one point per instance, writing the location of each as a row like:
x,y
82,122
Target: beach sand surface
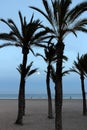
x,y
36,115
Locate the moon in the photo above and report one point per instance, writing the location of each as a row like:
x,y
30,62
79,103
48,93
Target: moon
x,y
38,73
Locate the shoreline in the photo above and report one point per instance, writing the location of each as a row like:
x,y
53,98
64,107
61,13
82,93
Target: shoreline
x,y
38,99
40,96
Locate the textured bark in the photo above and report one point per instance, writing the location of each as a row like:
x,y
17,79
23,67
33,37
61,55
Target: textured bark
x,y
83,95
50,112
58,87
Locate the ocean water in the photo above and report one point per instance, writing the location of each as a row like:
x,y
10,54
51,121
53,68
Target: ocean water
x,y
40,96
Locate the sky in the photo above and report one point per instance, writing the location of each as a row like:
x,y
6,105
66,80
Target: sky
x,y
11,57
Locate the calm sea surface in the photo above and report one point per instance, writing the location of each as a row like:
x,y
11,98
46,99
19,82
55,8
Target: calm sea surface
x,y
40,96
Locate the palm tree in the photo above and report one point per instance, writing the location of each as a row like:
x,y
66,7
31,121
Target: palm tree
x,y
79,69
49,57
63,20
28,73
30,34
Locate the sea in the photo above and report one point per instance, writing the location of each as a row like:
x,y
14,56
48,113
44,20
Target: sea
x,y
40,96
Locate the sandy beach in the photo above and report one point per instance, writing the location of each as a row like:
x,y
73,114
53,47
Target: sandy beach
x,y
36,115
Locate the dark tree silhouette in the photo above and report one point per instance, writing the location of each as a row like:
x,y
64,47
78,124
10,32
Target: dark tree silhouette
x,y
50,56
63,20
79,67
28,73
30,34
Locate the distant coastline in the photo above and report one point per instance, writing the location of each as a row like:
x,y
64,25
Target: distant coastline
x,y
40,96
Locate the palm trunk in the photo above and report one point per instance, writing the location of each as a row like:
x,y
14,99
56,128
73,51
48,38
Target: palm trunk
x,y
58,87
20,102
83,95
24,100
21,98
50,113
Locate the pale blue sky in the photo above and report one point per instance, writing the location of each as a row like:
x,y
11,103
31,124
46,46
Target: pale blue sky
x,y
11,57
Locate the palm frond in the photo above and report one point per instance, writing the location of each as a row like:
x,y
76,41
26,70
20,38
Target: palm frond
x,y
41,40
32,18
32,72
38,43
39,35
65,72
74,70
54,5
80,25
31,28
48,10
77,11
6,44
29,67
81,29
41,56
82,22
32,51
63,10
12,26
65,6
19,68
21,19
68,30
8,37
45,33
41,12
28,71
79,66
22,23
65,58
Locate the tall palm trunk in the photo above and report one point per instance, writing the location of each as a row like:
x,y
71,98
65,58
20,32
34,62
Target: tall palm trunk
x,y
58,87
21,98
83,95
50,113
24,100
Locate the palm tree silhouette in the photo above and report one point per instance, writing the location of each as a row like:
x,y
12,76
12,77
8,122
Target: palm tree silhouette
x,y
30,34
79,68
28,73
50,56
63,20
